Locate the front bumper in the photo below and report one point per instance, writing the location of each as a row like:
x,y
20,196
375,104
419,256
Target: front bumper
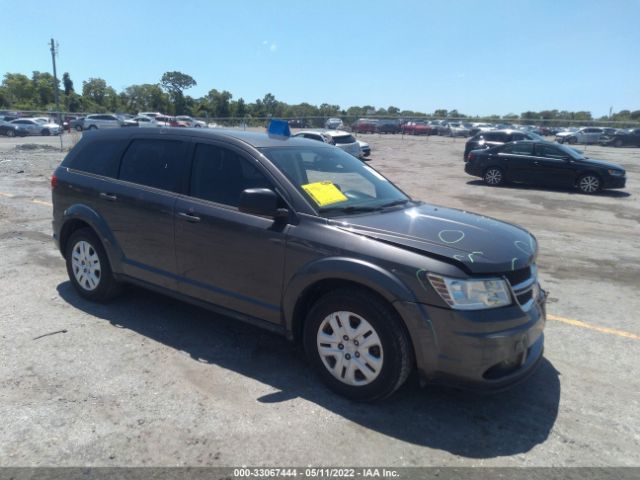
x,y
486,350
615,182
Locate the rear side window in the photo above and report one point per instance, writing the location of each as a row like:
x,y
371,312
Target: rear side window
x,y
495,137
155,163
98,157
518,148
220,175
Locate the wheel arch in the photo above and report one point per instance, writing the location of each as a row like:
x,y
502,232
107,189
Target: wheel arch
x,y
581,174
330,274
82,216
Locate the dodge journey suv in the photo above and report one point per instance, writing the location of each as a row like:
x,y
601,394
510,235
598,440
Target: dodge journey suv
x,y
306,240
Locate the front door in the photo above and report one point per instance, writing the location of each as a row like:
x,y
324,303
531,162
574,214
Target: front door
x,y
232,259
555,166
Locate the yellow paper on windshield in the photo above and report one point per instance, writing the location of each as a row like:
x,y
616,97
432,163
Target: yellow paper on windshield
x,y
324,193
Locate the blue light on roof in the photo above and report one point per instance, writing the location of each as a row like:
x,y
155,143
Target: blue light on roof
x,y
278,128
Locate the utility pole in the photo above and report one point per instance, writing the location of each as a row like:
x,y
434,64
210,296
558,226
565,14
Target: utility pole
x,y
54,52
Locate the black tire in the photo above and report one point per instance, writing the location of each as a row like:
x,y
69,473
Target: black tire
x,y
617,143
78,128
92,127
561,141
46,132
11,133
396,353
493,176
589,183
572,140
107,287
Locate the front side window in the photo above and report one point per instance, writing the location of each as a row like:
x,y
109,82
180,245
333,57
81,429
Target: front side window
x,y
549,151
155,163
333,181
220,175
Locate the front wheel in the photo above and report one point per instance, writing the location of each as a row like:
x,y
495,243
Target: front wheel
x,y
494,176
358,345
46,132
618,143
88,267
11,133
589,183
573,140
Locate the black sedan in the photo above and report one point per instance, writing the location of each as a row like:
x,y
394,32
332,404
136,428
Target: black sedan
x,y
621,138
544,163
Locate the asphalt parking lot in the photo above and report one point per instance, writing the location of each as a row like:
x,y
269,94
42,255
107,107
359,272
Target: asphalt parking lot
x,y
147,380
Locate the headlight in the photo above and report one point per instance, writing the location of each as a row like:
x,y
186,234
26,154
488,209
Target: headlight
x,y
616,173
476,294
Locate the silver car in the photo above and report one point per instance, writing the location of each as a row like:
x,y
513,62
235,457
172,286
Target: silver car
x,y
341,139
37,127
585,135
102,120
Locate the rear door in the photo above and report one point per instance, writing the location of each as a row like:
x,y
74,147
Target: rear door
x,y
224,256
518,161
139,206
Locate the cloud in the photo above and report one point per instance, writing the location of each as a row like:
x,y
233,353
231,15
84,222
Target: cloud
x,y
273,47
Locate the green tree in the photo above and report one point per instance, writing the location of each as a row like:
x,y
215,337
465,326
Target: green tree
x,y
440,113
43,89
393,110
18,90
144,98
175,83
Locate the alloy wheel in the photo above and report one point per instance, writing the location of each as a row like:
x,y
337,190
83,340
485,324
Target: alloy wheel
x,y
493,176
589,184
350,348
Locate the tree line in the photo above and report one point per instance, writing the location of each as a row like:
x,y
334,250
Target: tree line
x,y
37,93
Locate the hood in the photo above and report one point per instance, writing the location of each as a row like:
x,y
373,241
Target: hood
x,y
564,134
481,244
601,163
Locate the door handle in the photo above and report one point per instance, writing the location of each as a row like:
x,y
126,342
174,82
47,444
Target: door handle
x,y
109,196
189,217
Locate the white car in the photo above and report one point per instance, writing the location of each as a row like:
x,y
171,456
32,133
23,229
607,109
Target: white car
x,y
334,124
191,122
101,120
38,127
150,114
339,138
584,135
365,149
144,121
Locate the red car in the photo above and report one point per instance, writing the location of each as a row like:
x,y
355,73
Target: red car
x,y
418,128
364,125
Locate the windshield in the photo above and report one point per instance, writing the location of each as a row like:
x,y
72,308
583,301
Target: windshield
x,y
335,182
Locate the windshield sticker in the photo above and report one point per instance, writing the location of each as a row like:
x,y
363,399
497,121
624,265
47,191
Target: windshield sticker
x,y
324,193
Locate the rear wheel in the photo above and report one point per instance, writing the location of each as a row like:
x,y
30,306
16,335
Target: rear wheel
x,y
493,176
618,143
46,132
11,133
589,183
358,345
88,267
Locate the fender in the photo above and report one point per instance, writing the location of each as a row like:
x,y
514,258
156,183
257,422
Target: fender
x,y
99,226
341,268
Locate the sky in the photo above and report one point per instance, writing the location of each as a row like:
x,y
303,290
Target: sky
x,y
480,57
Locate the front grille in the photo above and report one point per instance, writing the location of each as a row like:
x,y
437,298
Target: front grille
x,y
524,283
518,276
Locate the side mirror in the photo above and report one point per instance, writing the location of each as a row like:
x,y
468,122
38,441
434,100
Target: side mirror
x,y
261,201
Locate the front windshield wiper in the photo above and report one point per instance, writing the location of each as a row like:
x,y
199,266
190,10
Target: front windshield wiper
x,y
395,202
350,209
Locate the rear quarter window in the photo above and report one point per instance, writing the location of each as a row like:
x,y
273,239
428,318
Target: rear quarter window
x,y
154,163
100,157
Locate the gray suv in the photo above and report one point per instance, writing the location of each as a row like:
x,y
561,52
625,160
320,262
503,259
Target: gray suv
x,y
303,239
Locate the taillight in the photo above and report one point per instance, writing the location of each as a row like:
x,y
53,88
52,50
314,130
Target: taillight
x,y
471,156
54,181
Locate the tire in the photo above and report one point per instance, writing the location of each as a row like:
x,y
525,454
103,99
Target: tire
x,y
96,282
46,132
589,183
11,133
338,322
493,176
92,127
617,143
572,140
561,141
78,128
